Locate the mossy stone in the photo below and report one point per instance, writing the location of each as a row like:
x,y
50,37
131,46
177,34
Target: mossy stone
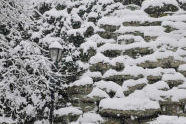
x,y
136,33
138,23
171,108
107,35
101,67
152,79
112,53
133,88
116,78
169,29
135,52
149,38
118,66
149,64
109,28
183,72
158,11
82,89
174,83
128,113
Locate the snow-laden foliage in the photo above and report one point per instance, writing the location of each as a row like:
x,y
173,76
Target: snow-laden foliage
x,y
24,80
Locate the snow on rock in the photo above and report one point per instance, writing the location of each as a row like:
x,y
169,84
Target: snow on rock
x,y
133,70
87,45
92,74
111,72
129,70
82,81
128,103
165,119
175,76
160,3
109,46
182,86
110,21
128,37
160,85
99,58
182,67
177,25
97,39
119,93
68,110
96,92
154,72
176,94
131,83
108,86
148,92
148,31
89,118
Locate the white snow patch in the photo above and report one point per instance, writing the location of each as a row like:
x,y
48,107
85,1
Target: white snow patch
x,y
67,110
182,67
108,86
96,92
83,81
89,118
128,103
165,119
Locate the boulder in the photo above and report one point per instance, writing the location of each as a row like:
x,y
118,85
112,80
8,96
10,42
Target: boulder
x,y
66,115
145,23
135,52
171,108
169,62
109,28
120,78
132,6
82,89
116,78
128,113
169,29
135,2
174,83
131,89
149,38
118,66
107,35
135,33
112,53
101,67
161,9
149,64
152,79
